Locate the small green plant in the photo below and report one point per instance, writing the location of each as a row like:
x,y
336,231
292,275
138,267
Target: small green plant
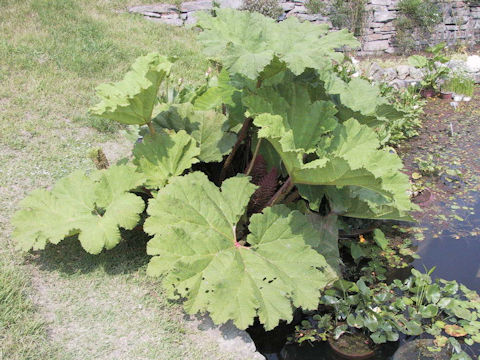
x,y
424,13
375,256
416,16
316,6
349,14
432,65
269,8
429,166
460,84
411,104
417,306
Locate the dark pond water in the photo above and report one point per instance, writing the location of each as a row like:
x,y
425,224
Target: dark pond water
x,y
456,257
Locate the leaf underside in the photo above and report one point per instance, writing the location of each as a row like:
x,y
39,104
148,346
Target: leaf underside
x,y
163,155
207,127
131,100
326,157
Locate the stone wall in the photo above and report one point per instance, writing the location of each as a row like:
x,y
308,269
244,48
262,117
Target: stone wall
x,y
402,76
461,21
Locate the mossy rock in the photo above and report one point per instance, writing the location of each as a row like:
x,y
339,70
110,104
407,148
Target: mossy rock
x,y
418,350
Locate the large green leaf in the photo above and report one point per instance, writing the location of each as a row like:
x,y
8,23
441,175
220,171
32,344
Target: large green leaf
x,y
359,99
163,155
208,128
93,207
239,40
219,92
346,156
302,121
131,100
317,48
353,201
246,43
195,244
326,242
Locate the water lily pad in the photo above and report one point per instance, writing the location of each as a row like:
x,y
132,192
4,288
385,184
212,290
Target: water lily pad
x,y
455,330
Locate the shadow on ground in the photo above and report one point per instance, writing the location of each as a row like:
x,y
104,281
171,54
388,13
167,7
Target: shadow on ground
x,y
70,258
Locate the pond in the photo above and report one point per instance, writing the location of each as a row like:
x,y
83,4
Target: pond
x,y
456,257
448,232
443,161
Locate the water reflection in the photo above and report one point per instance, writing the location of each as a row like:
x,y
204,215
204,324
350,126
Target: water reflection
x,y
455,254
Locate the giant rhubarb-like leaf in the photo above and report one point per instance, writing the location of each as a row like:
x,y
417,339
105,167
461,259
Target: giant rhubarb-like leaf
x,y
302,122
93,207
359,99
195,244
131,100
208,128
219,92
246,43
327,242
164,155
353,201
339,154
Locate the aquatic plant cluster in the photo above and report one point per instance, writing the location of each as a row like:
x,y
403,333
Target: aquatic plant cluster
x,y
240,182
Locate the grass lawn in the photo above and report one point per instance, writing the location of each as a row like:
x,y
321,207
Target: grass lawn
x,y
63,303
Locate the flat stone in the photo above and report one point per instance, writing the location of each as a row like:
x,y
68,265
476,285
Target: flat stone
x,y
173,22
381,2
229,338
379,45
403,71
232,4
476,78
390,50
375,37
190,6
375,25
473,64
155,8
287,6
310,17
389,74
416,74
401,84
152,14
456,65
299,9
191,19
376,72
384,16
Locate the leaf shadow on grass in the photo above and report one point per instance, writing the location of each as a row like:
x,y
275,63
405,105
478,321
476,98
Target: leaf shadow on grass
x,y
70,258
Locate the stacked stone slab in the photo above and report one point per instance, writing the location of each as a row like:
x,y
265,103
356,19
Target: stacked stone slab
x,y
402,76
461,20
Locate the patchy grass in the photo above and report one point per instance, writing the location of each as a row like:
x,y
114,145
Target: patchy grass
x,y
22,330
62,303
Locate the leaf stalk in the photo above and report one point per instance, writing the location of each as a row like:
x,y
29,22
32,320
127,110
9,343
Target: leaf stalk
x,y
151,128
282,192
241,136
254,157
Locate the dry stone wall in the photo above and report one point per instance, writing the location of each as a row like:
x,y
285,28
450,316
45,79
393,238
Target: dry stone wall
x,y
461,20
